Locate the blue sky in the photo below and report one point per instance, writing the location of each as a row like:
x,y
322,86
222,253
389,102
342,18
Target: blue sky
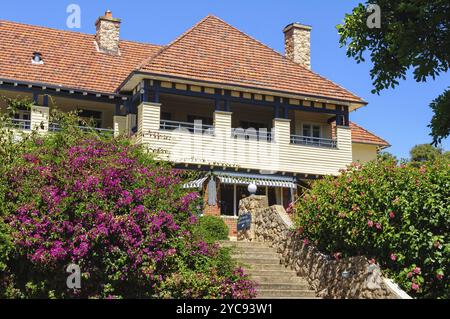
x,y
400,116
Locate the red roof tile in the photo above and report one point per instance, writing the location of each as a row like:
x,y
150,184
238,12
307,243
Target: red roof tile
x,y
214,51
70,59
361,135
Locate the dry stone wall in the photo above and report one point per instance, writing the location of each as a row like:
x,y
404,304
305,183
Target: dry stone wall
x,y
347,278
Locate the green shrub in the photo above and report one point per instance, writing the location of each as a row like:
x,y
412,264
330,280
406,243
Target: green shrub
x,y
211,229
398,215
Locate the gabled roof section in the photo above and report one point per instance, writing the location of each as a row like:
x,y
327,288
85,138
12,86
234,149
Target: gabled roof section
x,y
214,51
361,135
70,59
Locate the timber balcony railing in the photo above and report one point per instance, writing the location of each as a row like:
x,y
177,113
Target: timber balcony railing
x,y
21,124
313,141
251,134
167,125
55,127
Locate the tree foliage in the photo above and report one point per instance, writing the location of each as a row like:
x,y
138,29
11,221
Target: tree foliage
x,y
424,152
414,34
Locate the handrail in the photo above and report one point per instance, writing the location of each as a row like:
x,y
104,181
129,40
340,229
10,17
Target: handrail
x,y
55,127
21,124
251,135
313,141
167,125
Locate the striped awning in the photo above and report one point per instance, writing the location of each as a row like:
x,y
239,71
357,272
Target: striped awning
x,y
258,180
198,183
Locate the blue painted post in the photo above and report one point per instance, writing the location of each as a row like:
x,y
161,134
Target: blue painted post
x,y
45,102
156,90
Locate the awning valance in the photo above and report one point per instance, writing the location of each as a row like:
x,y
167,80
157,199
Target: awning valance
x,y
198,183
258,180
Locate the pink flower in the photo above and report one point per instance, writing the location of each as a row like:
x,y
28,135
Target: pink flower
x,y
415,287
410,274
378,226
305,241
439,276
417,270
372,261
391,215
370,223
393,257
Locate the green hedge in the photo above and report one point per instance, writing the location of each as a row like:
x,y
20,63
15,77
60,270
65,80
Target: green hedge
x,y
397,215
211,229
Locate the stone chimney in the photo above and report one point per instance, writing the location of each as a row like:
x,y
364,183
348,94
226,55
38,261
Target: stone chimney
x,y
107,35
297,43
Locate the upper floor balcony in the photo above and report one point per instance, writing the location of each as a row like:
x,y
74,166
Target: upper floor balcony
x,y
284,146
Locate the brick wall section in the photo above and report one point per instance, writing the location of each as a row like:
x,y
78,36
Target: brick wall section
x,y
208,210
231,222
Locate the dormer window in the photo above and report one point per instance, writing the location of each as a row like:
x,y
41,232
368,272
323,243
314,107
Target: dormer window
x,y
37,58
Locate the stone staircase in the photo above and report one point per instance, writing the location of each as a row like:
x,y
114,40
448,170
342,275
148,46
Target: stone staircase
x,y
274,280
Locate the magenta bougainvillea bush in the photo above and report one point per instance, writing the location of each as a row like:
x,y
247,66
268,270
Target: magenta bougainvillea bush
x,y
396,215
123,219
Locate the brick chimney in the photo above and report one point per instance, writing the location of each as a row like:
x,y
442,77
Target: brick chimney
x,y
297,43
107,35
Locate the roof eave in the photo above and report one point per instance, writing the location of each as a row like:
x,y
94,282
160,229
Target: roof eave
x,y
353,104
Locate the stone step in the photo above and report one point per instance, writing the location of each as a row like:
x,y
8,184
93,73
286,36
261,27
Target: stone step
x,y
282,286
263,266
287,278
297,293
258,261
250,254
245,250
282,271
243,244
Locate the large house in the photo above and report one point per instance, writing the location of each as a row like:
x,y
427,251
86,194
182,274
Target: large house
x,y
214,100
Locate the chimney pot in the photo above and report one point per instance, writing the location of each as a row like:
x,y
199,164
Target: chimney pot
x,y
297,43
108,34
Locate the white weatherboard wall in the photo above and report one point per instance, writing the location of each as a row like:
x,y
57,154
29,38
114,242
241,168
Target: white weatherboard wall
x,y
40,118
364,152
221,149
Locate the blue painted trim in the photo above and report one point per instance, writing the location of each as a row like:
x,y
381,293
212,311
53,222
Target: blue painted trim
x,y
246,101
53,92
156,89
45,100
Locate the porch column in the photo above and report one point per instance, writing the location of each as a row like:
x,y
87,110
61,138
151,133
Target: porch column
x,y
148,119
282,131
131,121
40,116
120,125
344,141
222,123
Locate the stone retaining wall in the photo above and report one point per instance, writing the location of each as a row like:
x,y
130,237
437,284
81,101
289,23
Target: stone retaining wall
x,y
347,278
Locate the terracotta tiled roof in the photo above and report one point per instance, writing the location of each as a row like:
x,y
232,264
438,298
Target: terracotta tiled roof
x,y
70,59
214,51
361,135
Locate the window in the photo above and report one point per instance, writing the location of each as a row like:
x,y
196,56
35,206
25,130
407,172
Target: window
x,y
311,130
